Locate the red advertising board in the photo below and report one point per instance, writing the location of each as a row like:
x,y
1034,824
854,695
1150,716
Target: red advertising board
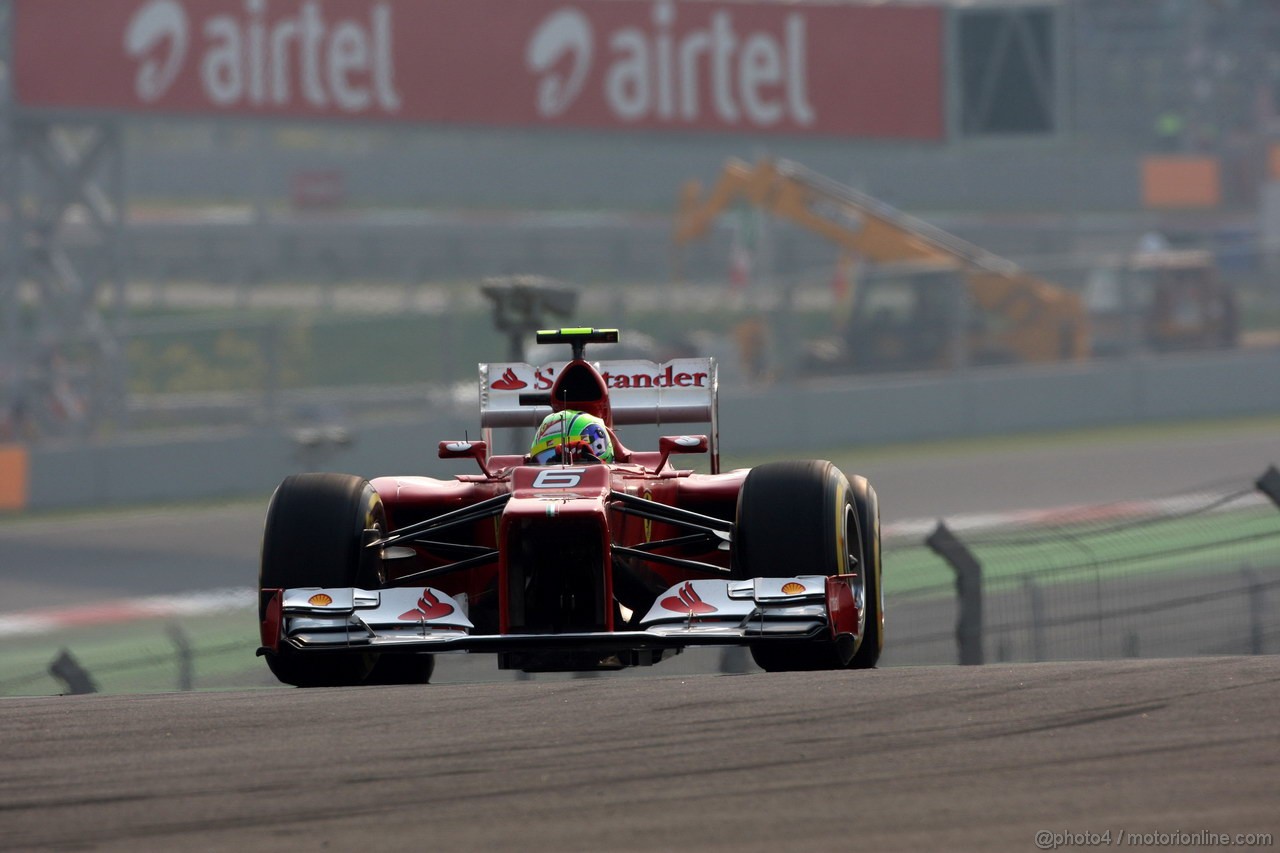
x,y
825,68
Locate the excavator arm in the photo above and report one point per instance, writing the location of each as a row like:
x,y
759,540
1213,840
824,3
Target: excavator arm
x,y
1043,322
853,220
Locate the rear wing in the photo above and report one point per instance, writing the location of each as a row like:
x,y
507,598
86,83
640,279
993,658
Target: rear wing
x,y
683,390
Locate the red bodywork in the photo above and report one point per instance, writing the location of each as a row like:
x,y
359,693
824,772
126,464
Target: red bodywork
x,y
556,546
568,529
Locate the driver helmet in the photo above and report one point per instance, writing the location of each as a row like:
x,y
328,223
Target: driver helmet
x,y
571,436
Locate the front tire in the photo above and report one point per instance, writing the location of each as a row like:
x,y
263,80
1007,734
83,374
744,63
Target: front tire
x,y
402,669
797,516
314,536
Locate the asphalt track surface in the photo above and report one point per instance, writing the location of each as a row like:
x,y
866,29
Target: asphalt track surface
x,y
906,758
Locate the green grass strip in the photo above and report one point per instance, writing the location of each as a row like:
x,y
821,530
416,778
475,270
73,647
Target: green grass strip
x,y
140,657
1208,543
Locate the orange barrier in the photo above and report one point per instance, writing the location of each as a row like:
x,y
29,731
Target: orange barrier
x,y
1181,181
1273,162
13,477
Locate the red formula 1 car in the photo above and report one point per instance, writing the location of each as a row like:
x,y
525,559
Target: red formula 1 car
x,y
554,562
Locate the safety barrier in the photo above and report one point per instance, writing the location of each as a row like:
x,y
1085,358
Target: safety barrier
x,y
1188,575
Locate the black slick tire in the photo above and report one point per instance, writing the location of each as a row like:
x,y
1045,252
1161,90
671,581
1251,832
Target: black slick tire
x,y
797,518
314,537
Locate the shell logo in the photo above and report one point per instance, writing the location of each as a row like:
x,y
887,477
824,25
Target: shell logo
x,y
792,588
320,600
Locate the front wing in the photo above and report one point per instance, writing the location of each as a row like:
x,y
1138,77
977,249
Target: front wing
x,y
692,613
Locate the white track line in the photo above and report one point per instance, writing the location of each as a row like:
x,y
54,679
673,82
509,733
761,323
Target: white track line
x,y
126,610
1079,514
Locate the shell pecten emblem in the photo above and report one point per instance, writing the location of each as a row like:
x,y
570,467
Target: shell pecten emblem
x,y
320,599
792,588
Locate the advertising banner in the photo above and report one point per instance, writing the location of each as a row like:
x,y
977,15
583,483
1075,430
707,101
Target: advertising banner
x,y
827,69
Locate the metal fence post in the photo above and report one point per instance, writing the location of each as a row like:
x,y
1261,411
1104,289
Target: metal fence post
x,y
968,592
1257,610
1269,484
68,670
186,670
1036,601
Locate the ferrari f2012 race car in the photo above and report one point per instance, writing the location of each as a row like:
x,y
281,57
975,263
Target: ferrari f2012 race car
x,y
583,554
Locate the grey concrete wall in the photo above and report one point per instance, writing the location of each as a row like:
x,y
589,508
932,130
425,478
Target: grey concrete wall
x,y
999,401
836,414
228,463
576,170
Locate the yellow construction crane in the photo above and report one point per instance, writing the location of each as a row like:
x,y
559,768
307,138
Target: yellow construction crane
x,y
1009,315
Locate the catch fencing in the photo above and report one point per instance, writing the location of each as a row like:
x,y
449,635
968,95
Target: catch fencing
x,y
1186,575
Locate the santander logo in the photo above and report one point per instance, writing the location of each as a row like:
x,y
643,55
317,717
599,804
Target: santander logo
x,y
687,600
658,376
429,607
672,74
509,381
254,59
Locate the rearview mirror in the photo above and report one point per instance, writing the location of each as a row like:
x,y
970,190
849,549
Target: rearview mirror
x,y
672,444
477,450
463,449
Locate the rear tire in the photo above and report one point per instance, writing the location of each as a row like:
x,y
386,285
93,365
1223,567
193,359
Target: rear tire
x,y
314,536
797,516
867,505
